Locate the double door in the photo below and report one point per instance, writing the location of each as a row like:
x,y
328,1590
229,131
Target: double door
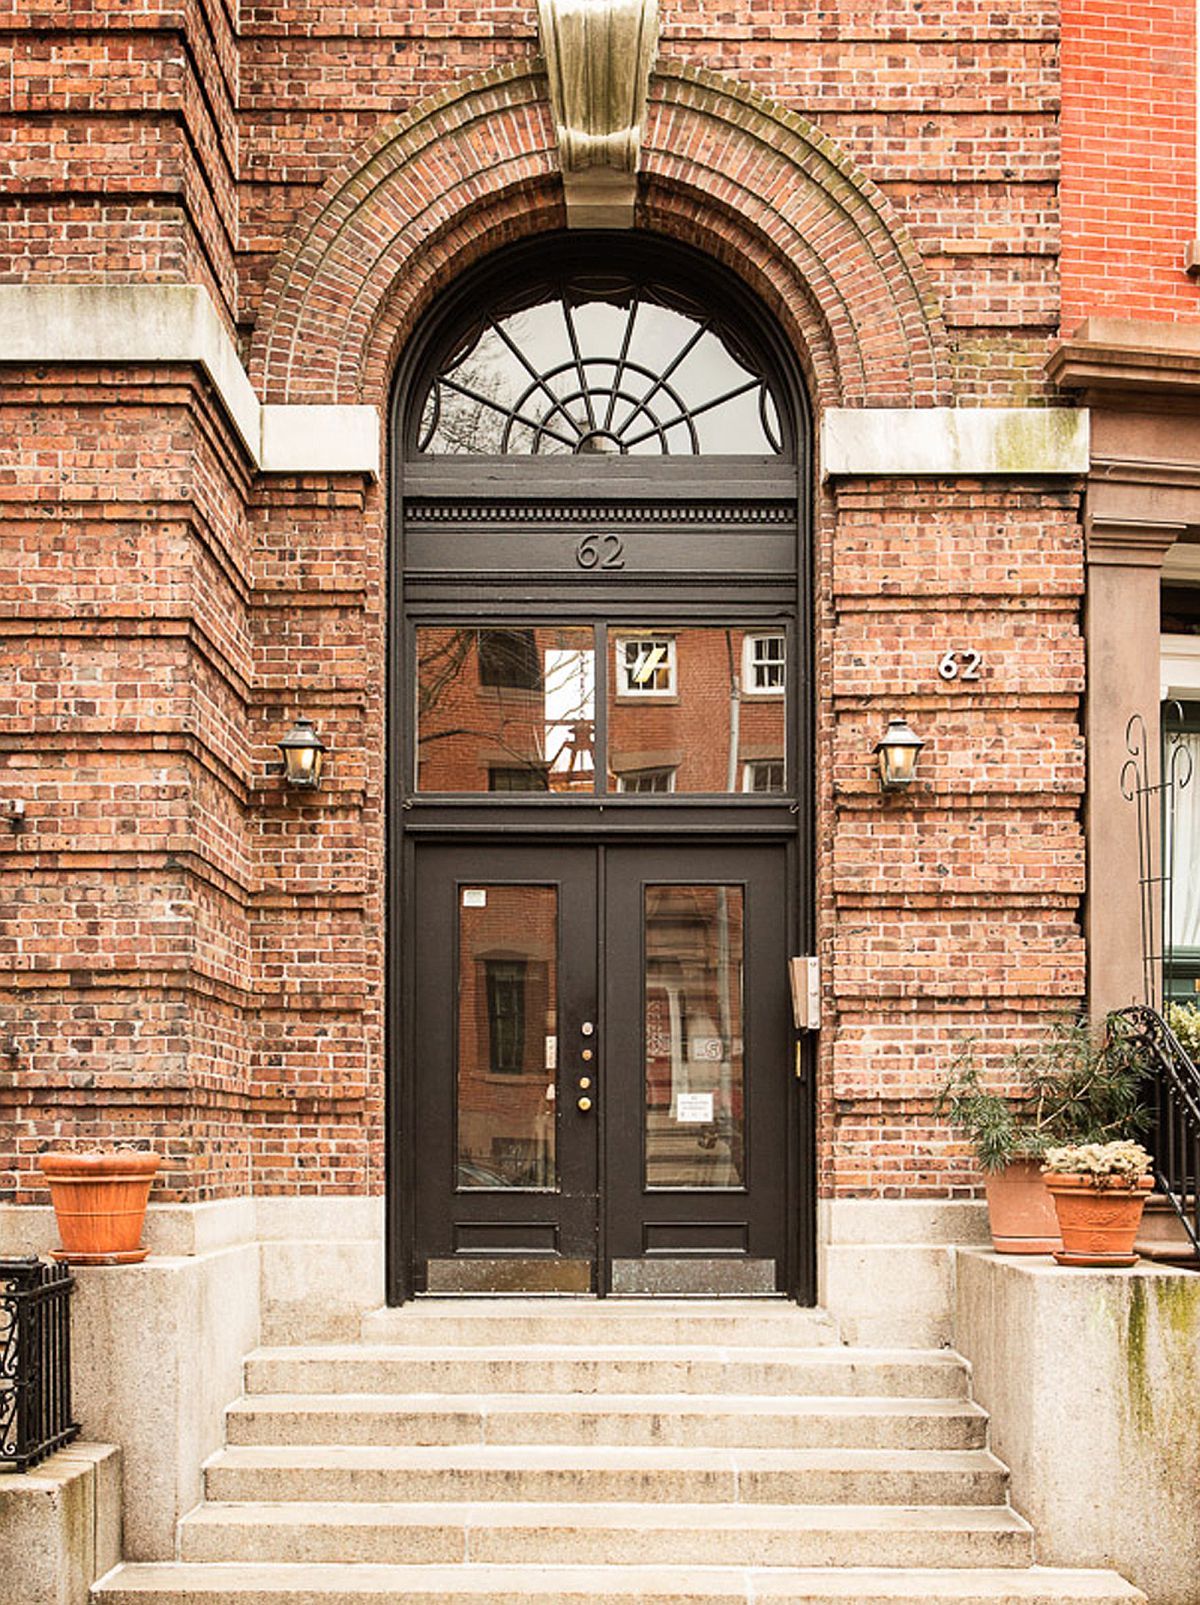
x,y
601,1059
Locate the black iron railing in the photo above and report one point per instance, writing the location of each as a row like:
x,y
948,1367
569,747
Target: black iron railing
x,y
35,1361
1175,1138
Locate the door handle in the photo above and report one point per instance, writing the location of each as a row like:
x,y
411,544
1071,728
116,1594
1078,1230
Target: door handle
x,y
583,1104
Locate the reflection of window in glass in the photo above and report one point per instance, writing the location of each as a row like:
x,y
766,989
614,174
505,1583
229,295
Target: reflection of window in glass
x,y
764,664
645,666
646,781
763,775
527,779
506,1015
509,658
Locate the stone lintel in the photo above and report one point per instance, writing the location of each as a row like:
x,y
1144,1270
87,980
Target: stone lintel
x,y
1129,354
915,441
152,324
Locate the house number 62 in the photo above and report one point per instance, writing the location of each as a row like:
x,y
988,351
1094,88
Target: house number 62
x,y
960,665
600,551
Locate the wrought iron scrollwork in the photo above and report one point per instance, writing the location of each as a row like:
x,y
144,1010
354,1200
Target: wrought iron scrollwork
x,y
1155,801
1176,1135
35,1361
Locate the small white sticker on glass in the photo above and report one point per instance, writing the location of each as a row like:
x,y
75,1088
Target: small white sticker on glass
x,y
694,1108
474,897
551,1053
701,1049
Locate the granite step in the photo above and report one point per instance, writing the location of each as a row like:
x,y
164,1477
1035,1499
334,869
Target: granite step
x,y
607,1368
482,1321
607,1534
235,1583
601,1472
684,1420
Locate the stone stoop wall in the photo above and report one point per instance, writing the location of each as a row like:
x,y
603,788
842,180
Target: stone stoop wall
x,y
1091,1380
60,1525
192,956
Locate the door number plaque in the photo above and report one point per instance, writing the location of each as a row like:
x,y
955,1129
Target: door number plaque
x,y
960,663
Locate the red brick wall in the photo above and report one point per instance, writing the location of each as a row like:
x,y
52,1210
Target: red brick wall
x,y
196,957
1128,158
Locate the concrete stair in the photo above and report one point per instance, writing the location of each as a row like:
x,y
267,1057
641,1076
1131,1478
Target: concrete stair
x,y
523,1451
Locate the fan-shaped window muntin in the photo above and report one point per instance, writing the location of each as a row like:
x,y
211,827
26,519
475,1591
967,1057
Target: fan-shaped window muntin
x,y
590,364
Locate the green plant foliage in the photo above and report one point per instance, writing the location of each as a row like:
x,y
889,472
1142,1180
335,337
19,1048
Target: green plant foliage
x,y
1074,1086
1184,1020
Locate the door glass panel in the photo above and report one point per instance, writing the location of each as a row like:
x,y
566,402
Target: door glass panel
x,y
694,1063
505,709
696,710
507,1036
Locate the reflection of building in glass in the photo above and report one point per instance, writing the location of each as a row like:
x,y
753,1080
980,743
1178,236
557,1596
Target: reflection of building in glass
x,y
693,1036
505,709
689,710
507,1036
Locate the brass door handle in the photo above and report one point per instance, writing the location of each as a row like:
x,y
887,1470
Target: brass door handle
x,y
583,1104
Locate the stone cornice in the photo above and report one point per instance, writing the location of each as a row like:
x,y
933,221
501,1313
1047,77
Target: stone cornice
x,y
1129,355
1130,543
149,324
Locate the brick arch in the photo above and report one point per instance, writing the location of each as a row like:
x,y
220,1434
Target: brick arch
x,y
724,168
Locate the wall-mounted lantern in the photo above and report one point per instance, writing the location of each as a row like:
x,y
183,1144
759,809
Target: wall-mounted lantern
x,y
896,754
303,755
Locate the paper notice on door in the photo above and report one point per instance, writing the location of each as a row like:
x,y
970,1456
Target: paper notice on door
x,y
694,1108
551,1053
474,897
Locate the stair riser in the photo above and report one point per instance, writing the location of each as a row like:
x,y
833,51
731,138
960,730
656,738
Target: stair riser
x,y
548,1545
658,1485
247,1427
651,1375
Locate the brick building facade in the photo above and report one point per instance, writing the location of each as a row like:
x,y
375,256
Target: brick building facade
x,y
223,232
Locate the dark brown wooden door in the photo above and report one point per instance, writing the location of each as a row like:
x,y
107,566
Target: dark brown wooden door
x,y
601,1063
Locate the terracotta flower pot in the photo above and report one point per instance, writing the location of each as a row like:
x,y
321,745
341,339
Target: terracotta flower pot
x,y
1098,1224
1020,1210
100,1203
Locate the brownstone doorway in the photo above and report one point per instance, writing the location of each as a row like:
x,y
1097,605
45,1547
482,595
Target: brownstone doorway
x,y
599,804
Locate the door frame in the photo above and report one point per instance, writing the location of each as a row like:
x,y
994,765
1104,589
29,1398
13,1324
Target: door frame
x,y
694,821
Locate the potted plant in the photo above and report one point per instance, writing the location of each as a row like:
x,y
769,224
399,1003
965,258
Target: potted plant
x,y
1072,1085
99,1193
1099,1191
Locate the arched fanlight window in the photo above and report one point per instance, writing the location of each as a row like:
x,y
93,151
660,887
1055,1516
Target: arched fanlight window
x,y
600,363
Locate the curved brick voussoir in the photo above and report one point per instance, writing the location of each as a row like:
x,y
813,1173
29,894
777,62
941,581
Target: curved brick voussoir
x,y
724,168
825,223
381,216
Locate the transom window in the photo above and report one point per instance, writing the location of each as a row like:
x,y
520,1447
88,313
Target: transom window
x,y
599,363
666,716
